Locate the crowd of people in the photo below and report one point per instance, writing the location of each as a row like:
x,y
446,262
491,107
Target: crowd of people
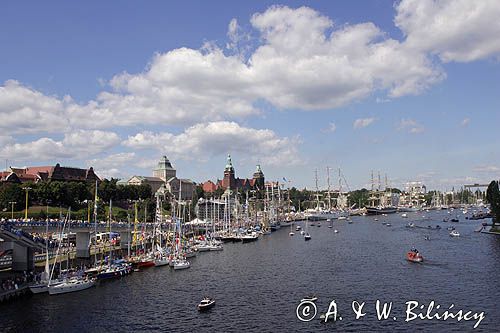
x,y
15,282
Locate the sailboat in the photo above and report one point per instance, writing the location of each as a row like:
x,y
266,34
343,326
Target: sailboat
x,y
179,261
161,258
306,235
115,269
72,284
143,260
43,285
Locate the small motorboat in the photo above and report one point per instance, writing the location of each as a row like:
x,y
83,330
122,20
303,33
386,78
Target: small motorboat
x,y
454,220
307,237
426,237
302,232
411,225
297,228
450,228
330,226
375,219
206,303
291,233
181,264
388,224
340,218
212,247
249,238
454,233
414,256
336,231
404,215
162,261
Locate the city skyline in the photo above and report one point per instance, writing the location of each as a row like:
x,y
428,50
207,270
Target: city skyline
x,y
382,87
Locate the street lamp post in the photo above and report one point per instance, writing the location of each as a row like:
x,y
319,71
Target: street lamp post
x,y
12,203
27,189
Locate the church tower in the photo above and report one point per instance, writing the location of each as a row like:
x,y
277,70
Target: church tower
x,y
229,181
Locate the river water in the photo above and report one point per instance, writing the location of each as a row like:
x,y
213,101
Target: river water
x,y
258,286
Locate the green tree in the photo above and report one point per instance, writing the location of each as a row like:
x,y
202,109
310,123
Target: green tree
x,y
493,198
11,193
359,197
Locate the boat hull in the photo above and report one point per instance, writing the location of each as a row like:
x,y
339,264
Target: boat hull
x,y
248,239
114,274
65,288
144,264
39,288
380,210
206,307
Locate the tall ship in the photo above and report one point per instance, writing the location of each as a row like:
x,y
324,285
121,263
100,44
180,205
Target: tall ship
x,y
413,198
321,213
382,201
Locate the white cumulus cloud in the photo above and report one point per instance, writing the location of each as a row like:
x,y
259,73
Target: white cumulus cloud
x,y
79,144
206,140
362,122
455,30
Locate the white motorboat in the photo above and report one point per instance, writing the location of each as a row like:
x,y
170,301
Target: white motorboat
x,y
297,228
181,264
71,285
203,246
307,237
454,233
206,303
404,215
163,261
336,231
216,247
249,238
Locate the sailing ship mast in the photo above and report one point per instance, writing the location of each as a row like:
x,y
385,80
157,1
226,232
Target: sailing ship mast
x,y
95,224
317,189
328,183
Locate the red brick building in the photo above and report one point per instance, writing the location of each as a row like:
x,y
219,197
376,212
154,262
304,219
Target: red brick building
x,y
231,182
8,177
54,173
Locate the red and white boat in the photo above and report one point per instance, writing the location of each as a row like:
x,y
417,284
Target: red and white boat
x,y
414,256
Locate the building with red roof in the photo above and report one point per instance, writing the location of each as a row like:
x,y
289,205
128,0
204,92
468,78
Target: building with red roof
x,y
54,173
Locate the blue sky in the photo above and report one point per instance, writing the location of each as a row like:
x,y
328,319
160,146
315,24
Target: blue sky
x,y
410,89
